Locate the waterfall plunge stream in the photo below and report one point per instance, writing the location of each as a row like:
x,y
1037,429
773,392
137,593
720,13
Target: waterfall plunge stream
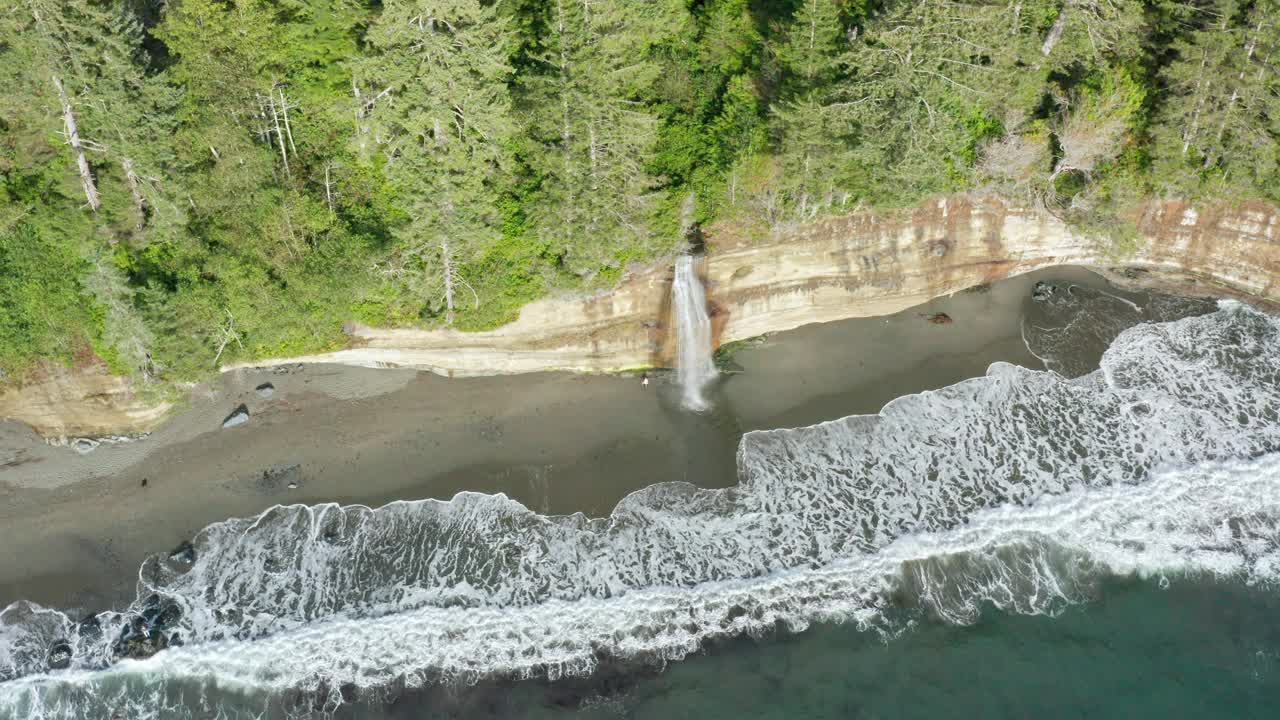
x,y
694,365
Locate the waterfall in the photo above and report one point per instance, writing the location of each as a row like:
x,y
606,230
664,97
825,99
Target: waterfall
x,y
693,333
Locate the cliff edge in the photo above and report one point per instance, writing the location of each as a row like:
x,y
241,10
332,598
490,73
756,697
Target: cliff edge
x,y
857,265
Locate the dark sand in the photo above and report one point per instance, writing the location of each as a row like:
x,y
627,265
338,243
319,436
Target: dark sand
x,y
75,528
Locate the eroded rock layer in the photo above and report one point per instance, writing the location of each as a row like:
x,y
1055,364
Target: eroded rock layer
x,y
858,265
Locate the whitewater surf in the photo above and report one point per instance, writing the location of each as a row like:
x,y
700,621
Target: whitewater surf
x,y
1021,489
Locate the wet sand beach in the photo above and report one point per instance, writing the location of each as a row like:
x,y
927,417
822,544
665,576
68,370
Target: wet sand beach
x,y
75,528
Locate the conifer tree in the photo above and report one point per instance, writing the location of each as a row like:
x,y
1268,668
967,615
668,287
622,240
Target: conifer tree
x,y
815,130
1220,124
443,126
63,60
916,93
226,142
74,76
595,137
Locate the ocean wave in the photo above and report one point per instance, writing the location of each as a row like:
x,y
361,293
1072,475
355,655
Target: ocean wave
x,y
1019,489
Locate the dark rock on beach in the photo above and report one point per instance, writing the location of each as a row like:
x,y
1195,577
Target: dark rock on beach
x,y
265,390
238,417
89,627
274,478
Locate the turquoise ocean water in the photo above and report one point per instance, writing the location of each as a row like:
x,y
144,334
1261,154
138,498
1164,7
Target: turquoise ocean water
x,y
1192,649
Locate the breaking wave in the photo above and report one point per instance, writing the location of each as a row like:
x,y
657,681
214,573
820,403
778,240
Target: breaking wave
x,y
1020,489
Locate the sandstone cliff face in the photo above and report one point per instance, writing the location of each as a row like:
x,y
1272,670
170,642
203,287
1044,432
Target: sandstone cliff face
x,y
83,403
853,266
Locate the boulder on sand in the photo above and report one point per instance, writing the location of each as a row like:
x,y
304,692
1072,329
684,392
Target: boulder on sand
x,y
238,417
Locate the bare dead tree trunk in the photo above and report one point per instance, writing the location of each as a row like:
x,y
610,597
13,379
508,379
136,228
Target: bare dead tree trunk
x,y
275,119
328,187
229,333
362,109
437,132
1250,47
1055,32
284,109
566,134
264,130
73,138
1189,132
291,242
447,262
135,188
592,151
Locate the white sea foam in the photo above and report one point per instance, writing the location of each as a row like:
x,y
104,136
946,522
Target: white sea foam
x,y
1221,519
1020,489
1071,325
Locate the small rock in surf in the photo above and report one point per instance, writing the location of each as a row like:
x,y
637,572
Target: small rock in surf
x,y
238,417
184,553
1042,292
265,390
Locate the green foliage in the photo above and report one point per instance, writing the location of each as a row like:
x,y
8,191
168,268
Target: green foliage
x,y
46,314
1219,126
269,170
444,133
593,132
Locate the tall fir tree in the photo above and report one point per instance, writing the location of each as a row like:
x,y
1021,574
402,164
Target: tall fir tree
x,y
72,69
813,129
595,138
1218,129
439,115
76,78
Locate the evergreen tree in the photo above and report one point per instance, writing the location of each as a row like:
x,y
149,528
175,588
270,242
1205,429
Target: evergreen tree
x,y
68,67
76,72
595,137
903,110
815,39
443,124
1219,127
814,129
231,141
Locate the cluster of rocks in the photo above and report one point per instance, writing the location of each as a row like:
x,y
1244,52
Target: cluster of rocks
x,y
240,415
1050,294
151,630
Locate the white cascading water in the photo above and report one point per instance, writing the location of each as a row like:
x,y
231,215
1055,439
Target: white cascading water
x,y
694,365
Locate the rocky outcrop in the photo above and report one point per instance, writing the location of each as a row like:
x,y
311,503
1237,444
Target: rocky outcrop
x,y
852,266
858,265
88,402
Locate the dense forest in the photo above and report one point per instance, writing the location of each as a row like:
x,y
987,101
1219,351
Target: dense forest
x,y
192,182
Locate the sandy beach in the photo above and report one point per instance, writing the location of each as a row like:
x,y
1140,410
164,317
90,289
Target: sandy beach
x,y
75,527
